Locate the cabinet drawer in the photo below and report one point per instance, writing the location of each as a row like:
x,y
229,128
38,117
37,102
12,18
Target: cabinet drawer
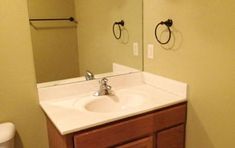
x,y
115,134
141,143
170,117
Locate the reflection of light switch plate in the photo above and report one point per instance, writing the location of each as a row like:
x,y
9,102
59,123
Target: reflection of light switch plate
x,y
135,49
150,51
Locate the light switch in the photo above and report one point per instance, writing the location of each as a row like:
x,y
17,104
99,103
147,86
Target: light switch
x,y
135,49
150,51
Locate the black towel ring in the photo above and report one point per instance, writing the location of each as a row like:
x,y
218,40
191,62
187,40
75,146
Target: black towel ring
x,y
119,24
168,24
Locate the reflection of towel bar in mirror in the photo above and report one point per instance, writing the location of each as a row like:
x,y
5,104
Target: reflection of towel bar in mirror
x,y
119,24
64,50
71,19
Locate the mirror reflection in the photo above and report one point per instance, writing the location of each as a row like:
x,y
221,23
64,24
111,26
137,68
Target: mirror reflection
x,y
69,48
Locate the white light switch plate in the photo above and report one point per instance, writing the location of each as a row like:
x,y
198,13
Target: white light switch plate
x,y
135,49
150,51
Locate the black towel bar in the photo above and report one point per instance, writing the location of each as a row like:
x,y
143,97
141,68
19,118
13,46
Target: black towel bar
x,y
71,19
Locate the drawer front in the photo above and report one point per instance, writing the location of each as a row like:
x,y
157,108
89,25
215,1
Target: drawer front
x,y
170,117
141,143
115,134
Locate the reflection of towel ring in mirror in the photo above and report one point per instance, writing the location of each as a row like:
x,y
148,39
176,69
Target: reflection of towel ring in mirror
x,y
119,24
168,24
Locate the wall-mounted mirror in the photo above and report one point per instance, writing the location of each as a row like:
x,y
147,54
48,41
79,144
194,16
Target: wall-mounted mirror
x,y
66,49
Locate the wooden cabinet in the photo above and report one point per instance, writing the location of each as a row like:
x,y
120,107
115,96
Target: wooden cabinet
x,y
142,143
164,128
171,138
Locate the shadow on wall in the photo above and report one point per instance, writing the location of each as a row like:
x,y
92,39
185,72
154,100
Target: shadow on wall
x,y
197,136
18,141
118,4
125,36
176,40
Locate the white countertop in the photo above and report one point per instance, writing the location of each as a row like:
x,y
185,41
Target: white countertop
x,y
63,104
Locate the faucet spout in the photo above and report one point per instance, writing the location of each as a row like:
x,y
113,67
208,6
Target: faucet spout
x,y
89,75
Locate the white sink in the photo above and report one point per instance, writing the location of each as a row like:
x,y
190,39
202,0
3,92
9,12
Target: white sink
x,y
72,107
117,102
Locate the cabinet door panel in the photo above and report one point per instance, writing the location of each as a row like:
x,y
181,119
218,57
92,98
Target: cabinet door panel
x,y
142,143
171,138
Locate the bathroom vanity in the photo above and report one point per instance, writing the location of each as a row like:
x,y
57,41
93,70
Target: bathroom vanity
x,y
145,110
164,128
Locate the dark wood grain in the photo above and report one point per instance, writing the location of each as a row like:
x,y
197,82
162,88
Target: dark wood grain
x,y
142,143
116,133
170,117
171,138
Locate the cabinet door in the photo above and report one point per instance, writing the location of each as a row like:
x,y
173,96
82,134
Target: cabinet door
x,y
171,138
142,143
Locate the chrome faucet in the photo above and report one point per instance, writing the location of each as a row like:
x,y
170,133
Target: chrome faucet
x,y
89,75
104,89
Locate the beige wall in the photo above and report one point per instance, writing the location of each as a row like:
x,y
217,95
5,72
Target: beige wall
x,y
18,98
54,43
204,57
98,48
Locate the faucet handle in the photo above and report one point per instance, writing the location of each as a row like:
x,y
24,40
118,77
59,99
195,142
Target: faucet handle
x,y
105,89
108,87
104,81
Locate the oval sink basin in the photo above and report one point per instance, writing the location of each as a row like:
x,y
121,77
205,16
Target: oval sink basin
x,y
113,103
